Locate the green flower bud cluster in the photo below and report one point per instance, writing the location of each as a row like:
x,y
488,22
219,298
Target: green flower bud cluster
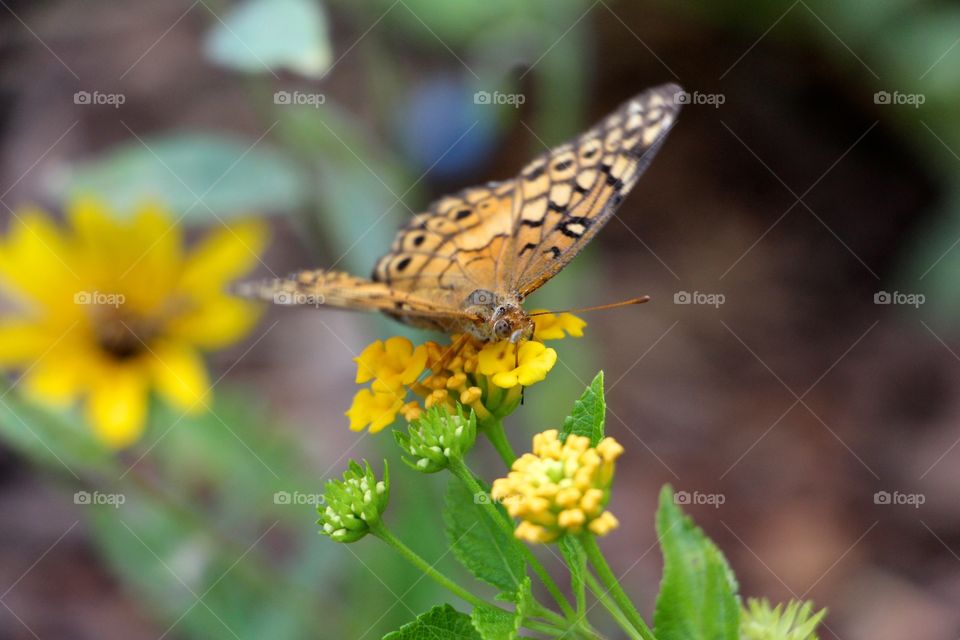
x,y
796,621
352,506
438,437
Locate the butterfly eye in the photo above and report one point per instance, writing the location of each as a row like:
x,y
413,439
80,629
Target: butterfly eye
x,y
502,328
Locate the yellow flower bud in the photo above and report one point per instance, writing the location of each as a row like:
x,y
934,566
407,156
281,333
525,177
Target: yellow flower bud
x,y
560,488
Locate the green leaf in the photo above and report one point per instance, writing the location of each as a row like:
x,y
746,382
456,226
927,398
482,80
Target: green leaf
x,y
698,594
57,439
497,624
589,413
443,622
262,35
190,174
479,543
576,559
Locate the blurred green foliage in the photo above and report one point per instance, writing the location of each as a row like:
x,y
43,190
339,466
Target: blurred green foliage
x,y
197,176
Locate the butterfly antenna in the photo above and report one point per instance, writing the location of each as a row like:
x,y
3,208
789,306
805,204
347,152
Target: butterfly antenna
x,y
602,307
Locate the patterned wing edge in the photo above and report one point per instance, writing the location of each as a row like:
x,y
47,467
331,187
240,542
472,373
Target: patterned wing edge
x,y
629,138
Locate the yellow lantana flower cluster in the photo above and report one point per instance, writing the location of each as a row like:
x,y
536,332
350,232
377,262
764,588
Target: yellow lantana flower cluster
x,y
486,377
110,309
562,487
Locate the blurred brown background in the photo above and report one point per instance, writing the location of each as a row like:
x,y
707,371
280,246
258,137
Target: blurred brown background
x,y
798,199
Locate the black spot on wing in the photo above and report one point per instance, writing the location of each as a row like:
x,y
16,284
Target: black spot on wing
x,y
528,247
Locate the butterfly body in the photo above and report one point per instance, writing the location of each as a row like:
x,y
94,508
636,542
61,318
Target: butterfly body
x,y
468,262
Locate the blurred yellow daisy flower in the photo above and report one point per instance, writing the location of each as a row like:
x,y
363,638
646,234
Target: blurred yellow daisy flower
x,y
486,377
110,309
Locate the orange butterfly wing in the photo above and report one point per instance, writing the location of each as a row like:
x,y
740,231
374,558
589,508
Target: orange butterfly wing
x,y
569,193
511,237
508,237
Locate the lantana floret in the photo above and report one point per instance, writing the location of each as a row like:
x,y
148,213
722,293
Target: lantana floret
x,y
795,621
352,507
437,438
562,487
488,378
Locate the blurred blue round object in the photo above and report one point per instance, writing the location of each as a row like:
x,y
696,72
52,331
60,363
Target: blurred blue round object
x,y
442,127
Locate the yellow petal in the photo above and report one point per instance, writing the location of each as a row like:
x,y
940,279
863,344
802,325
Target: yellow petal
x,y
55,381
549,326
496,357
225,254
37,263
22,341
137,257
378,410
414,365
535,361
117,405
180,376
368,362
216,322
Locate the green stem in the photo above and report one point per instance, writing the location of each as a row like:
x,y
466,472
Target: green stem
x,y
498,438
612,585
604,599
543,627
411,556
460,469
553,617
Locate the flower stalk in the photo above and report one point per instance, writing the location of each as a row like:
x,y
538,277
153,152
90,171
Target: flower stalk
x,y
612,585
380,531
466,476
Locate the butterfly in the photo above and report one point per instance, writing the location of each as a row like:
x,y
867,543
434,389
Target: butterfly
x,y
469,261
